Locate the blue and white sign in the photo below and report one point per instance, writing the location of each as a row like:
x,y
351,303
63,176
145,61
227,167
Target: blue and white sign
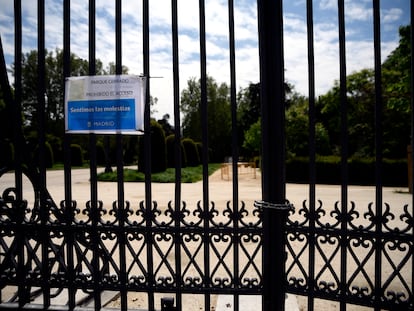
x,y
105,104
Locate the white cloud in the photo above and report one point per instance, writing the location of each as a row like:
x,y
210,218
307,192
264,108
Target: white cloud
x,y
358,12
391,15
359,50
328,4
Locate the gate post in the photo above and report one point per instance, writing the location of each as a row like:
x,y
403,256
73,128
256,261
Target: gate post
x,y
273,152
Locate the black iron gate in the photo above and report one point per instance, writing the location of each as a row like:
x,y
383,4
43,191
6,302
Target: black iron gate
x,y
66,255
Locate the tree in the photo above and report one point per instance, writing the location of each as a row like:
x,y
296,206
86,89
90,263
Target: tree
x,y
54,86
396,72
249,112
360,118
396,120
297,129
248,106
54,93
111,69
253,138
219,117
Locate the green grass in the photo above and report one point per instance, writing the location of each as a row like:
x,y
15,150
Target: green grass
x,y
188,175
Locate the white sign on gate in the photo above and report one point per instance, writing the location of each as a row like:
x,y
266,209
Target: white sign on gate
x,y
109,104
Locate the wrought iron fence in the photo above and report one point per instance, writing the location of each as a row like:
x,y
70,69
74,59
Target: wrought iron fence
x,y
165,249
89,253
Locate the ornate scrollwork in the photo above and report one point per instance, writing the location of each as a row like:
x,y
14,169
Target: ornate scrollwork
x,y
328,287
11,210
137,281
151,235
193,282
297,282
221,282
110,279
408,218
398,299
250,283
165,281
360,292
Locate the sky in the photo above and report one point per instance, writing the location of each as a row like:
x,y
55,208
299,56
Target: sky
x,y
358,25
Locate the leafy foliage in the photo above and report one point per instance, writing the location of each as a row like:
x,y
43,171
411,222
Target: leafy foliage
x,y
191,152
360,109
54,86
248,109
218,112
158,150
171,161
252,138
76,155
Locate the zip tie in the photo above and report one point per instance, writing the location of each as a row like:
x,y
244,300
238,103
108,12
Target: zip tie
x,y
277,206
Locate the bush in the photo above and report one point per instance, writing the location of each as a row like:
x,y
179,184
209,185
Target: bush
x,y
170,143
361,171
48,156
158,150
130,149
100,154
56,145
200,151
193,158
76,155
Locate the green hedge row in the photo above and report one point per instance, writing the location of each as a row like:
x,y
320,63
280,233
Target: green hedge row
x,y
7,154
360,171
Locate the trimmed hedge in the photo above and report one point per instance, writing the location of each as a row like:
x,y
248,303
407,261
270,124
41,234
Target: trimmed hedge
x,y
170,143
48,155
76,155
158,150
100,153
191,151
360,171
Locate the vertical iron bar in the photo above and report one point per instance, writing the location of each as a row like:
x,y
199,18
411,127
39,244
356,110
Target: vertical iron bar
x,y
235,152
70,237
412,133
273,151
177,151
412,112
147,146
120,167
118,37
21,276
204,135
41,114
97,276
344,153
17,106
378,154
312,154
41,93
10,109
